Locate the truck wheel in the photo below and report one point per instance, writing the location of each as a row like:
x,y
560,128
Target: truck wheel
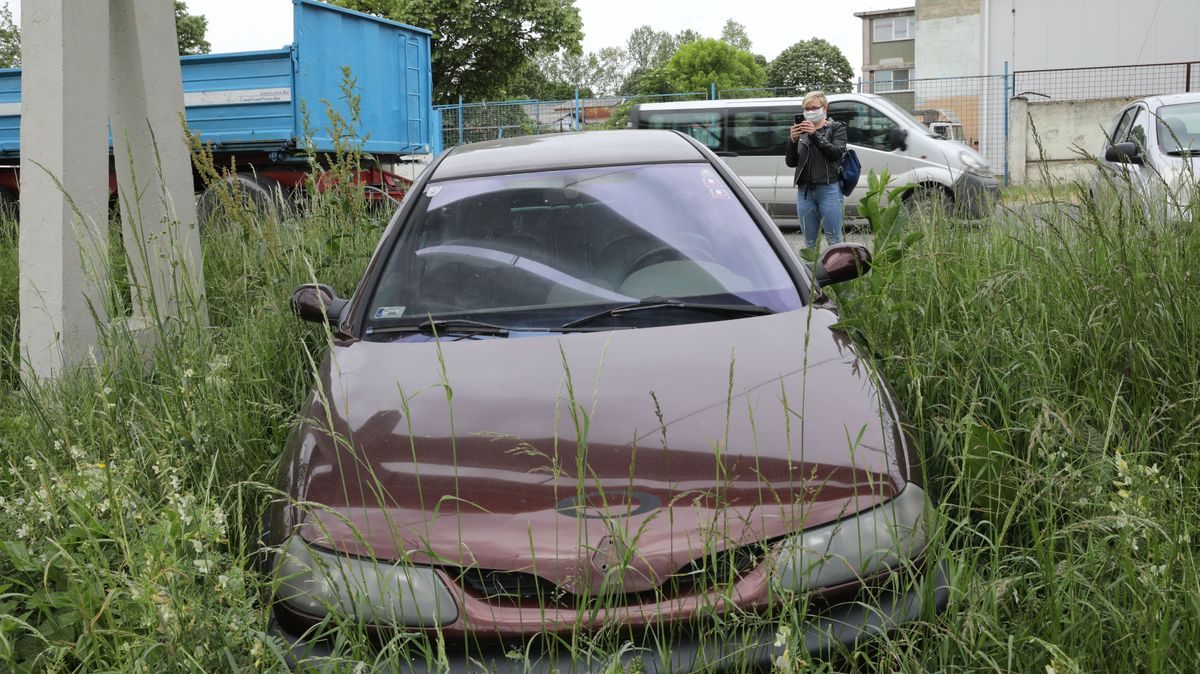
x,y
241,199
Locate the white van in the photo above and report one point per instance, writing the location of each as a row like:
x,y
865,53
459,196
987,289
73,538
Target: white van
x,y
752,136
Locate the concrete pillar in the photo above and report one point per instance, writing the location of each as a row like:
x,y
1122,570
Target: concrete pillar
x,y
64,185
86,62
154,174
1018,140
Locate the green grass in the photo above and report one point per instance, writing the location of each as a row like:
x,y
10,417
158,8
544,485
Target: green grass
x,y
1051,371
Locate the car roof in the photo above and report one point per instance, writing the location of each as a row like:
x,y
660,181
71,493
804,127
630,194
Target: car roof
x,y
724,103
1171,99
566,150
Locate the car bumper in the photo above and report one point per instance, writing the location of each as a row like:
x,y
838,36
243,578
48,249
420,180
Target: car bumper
x,y
976,196
845,624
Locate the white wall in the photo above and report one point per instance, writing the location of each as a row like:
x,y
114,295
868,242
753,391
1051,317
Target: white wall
x,y
1039,34
1053,137
948,47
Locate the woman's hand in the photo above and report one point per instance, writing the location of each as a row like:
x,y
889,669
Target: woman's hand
x,y
801,128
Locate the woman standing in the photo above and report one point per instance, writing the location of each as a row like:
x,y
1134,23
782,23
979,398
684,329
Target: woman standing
x,y
815,151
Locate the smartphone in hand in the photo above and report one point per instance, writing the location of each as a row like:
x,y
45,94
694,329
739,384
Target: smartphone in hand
x,y
799,118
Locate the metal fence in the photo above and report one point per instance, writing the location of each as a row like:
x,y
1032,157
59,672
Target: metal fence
x,y
973,110
472,122
1107,82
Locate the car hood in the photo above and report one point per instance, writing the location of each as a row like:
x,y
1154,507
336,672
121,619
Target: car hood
x,y
553,454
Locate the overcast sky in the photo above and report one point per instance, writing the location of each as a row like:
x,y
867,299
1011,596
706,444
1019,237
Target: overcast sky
x,y
773,25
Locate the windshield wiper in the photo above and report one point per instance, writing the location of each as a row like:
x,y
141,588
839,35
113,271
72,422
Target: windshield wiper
x,y
448,326
669,303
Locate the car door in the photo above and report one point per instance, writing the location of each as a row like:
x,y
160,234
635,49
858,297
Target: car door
x,y
1112,174
867,132
756,141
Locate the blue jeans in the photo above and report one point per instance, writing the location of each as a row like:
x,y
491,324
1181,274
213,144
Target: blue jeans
x,y
817,205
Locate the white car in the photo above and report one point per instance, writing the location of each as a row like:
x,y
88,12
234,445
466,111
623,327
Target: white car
x,y
751,135
1151,153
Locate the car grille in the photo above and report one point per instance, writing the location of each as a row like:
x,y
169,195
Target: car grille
x,y
706,573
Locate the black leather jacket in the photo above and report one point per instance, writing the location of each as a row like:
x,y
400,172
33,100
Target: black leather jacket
x,y
821,167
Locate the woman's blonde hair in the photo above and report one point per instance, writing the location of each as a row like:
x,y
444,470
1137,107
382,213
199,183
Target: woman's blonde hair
x,y
814,95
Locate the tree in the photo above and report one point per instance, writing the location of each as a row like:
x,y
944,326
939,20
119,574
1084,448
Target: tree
x,y
686,37
704,62
10,40
480,45
646,81
190,30
647,48
734,35
811,64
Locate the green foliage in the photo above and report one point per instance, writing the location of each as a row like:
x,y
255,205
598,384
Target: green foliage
x,y
190,30
647,82
811,64
697,65
479,45
10,40
884,209
647,48
734,35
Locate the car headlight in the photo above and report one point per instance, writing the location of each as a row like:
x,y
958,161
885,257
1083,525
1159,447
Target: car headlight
x,y
974,164
319,583
856,547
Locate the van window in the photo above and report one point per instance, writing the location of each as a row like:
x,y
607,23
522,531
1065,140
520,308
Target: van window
x,y
703,126
759,132
1137,132
865,126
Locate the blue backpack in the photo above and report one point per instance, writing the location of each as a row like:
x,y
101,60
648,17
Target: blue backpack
x,y
851,170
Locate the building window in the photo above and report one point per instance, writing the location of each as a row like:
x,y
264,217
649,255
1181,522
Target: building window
x,y
891,80
895,28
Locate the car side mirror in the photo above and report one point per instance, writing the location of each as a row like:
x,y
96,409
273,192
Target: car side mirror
x,y
897,138
1123,153
842,262
318,303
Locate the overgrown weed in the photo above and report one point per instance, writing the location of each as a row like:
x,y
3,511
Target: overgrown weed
x,y
1049,369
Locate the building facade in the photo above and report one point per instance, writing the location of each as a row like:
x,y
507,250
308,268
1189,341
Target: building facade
x,y
889,53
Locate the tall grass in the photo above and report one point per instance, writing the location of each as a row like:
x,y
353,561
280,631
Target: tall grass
x,y
1049,367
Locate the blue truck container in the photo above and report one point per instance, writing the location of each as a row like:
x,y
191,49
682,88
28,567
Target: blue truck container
x,y
252,104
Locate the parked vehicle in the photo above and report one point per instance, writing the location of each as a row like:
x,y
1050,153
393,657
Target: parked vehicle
x,y
942,122
751,136
1152,153
252,106
628,281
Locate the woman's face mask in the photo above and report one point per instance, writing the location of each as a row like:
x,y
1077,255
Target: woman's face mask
x,y
815,116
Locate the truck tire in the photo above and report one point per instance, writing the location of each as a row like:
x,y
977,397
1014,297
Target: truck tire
x,y
256,200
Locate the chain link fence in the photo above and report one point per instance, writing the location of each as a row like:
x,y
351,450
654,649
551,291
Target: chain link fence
x,y
1107,82
972,110
473,122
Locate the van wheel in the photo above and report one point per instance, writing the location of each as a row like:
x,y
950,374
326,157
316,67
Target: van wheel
x,y
244,200
927,202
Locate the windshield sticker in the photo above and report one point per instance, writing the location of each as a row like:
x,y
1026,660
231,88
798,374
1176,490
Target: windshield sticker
x,y
711,183
719,193
389,312
432,191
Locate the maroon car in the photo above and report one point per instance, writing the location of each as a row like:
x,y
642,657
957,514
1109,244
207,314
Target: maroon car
x,y
587,404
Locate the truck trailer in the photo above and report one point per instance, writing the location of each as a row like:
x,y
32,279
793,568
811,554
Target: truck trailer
x,y
250,108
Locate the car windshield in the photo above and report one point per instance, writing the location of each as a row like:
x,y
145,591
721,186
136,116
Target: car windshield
x,y
545,250
1179,128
